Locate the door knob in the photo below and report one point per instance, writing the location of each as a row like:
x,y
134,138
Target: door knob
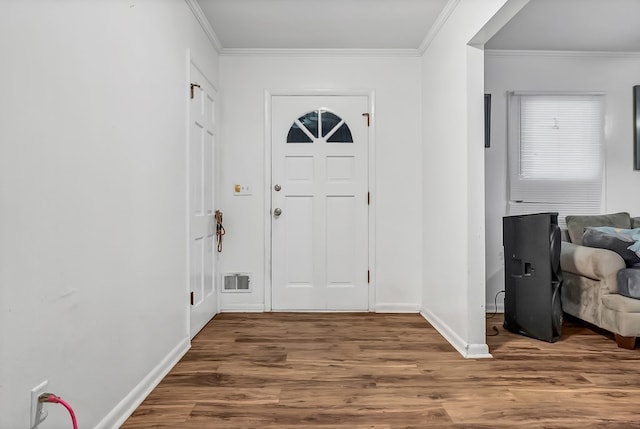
x,y
277,188
277,212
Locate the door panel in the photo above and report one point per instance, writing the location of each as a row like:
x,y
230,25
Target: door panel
x,y
201,202
341,241
319,242
298,218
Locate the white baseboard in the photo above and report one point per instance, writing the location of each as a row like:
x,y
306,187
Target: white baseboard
x,y
121,412
468,351
491,308
379,308
242,308
397,308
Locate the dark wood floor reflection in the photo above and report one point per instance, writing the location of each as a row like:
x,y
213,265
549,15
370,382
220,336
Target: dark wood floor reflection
x,y
390,371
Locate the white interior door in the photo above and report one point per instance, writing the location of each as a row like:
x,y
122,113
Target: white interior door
x,y
202,225
319,203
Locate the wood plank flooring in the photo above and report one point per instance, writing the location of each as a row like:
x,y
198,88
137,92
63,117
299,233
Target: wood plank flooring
x,y
390,371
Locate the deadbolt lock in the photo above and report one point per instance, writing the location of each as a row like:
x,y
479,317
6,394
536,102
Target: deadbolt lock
x,y
277,188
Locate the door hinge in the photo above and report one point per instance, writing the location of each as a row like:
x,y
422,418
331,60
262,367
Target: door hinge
x,y
191,296
368,118
368,198
368,276
194,85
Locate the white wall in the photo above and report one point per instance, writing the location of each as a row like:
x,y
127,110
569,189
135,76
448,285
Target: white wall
x,y
614,75
453,224
396,82
93,293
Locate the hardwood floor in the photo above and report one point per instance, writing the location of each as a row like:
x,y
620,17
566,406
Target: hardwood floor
x,y
390,371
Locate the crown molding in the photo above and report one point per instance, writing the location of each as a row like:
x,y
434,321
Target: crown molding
x,y
444,15
541,53
321,52
205,24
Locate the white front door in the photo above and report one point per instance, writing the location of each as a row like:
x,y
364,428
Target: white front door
x,y
202,225
319,203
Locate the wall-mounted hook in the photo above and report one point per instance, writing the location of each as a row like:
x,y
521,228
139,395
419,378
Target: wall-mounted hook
x,y
194,85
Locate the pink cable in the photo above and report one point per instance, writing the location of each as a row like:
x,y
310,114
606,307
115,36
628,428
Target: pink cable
x,y
58,400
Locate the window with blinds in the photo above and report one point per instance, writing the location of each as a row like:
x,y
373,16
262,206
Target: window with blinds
x,y
556,153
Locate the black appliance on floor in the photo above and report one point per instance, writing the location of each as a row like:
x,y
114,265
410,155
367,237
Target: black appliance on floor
x,y
533,276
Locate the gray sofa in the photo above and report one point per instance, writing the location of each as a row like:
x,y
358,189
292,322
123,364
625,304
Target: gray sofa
x,y
590,288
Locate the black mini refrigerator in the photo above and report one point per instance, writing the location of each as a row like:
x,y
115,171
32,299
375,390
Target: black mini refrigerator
x,y
533,276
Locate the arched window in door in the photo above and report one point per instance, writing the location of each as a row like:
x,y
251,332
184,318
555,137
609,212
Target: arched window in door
x,y
320,124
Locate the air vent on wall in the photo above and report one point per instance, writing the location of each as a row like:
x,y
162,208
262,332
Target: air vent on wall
x,y
236,282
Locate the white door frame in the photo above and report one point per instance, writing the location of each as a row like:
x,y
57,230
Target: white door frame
x,y
268,144
190,60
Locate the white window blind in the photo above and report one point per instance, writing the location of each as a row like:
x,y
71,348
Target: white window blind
x,y
555,153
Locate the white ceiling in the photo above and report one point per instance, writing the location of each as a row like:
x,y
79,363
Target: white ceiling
x,y
321,24
573,25
565,25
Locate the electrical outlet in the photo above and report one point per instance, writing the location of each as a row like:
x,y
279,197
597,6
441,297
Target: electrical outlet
x,y
38,413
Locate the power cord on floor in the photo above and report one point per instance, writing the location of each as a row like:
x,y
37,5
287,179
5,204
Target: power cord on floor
x,y
495,311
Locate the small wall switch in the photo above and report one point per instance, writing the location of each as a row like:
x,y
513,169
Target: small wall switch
x,y
239,189
38,413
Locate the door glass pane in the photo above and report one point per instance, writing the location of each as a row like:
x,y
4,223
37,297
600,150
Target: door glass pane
x,y
310,121
296,135
329,122
342,135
